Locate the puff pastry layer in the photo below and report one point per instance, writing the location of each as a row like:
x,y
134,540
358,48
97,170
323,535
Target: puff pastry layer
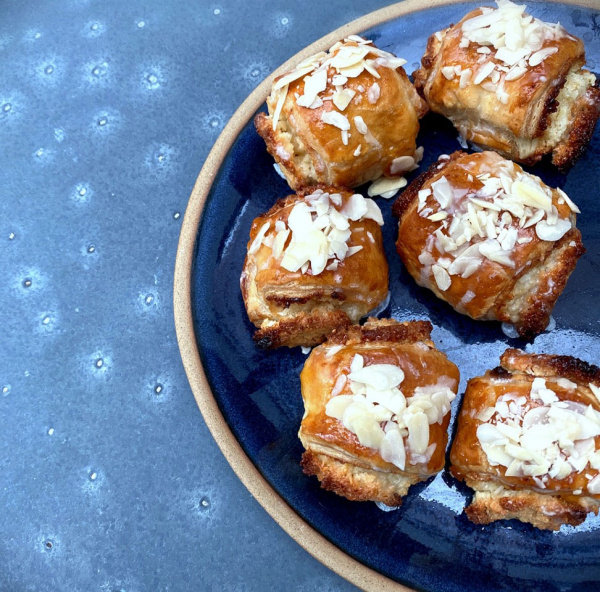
x,y
512,84
494,242
528,441
342,449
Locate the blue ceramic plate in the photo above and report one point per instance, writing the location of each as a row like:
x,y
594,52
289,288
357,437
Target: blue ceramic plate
x,y
429,543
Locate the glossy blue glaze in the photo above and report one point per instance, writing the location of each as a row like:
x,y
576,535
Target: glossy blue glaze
x,y
428,543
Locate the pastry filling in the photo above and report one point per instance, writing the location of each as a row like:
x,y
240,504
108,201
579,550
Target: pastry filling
x,y
317,234
577,83
508,208
510,43
382,417
541,436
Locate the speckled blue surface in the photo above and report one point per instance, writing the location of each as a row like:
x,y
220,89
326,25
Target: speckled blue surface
x,y
428,543
109,479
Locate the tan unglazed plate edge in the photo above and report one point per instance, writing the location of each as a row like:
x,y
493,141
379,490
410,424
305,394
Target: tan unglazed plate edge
x,y
309,538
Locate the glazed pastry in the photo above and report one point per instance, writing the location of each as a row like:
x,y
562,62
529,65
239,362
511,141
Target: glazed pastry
x,y
315,262
528,441
512,83
343,118
494,242
377,407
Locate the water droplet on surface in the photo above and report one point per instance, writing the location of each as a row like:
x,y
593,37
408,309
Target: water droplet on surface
x,y
100,70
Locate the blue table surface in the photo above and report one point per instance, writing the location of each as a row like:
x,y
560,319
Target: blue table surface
x,y
109,479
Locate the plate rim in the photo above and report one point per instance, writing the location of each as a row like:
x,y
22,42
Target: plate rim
x,y
286,517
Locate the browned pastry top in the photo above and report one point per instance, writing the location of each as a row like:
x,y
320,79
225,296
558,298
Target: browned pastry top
x,y
312,151
522,293
360,277
524,114
406,345
515,376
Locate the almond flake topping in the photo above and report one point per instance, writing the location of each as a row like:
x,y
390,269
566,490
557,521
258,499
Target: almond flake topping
x,y
510,42
373,93
382,417
348,59
541,436
387,187
337,119
486,223
317,234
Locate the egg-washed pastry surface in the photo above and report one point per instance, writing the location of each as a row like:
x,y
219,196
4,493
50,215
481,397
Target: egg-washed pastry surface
x,y
513,83
494,242
343,117
315,262
377,407
528,441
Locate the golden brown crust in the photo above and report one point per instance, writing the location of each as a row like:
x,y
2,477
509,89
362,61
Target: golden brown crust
x,y
310,151
411,193
586,112
334,453
295,308
574,369
542,511
551,275
524,295
301,329
517,129
382,330
357,483
498,496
